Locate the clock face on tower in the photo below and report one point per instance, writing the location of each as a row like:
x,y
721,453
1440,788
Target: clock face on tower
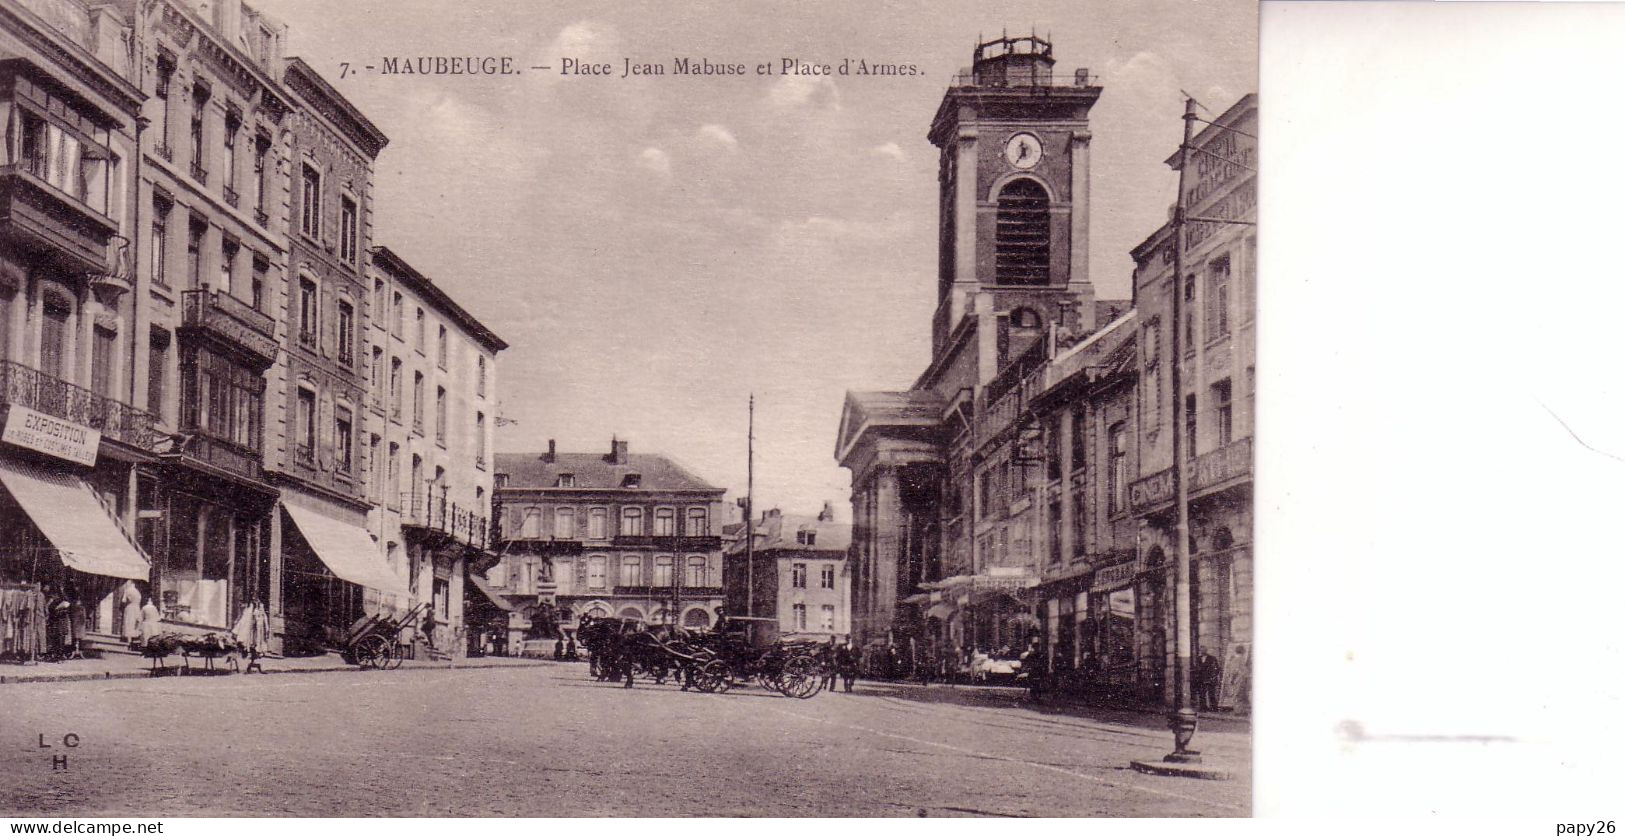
x,y
1023,151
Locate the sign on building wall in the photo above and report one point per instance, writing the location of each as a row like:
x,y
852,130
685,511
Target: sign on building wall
x,y
51,436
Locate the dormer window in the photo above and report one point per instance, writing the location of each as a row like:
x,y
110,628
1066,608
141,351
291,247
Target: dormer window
x,y
566,480
806,538
501,481
631,480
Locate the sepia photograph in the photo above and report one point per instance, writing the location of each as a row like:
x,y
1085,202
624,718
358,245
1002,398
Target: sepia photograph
x,y
511,409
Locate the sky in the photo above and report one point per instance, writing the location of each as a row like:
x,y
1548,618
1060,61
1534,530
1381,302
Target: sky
x,y
657,249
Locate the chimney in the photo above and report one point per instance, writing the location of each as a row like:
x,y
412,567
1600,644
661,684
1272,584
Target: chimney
x,y
552,452
828,514
617,451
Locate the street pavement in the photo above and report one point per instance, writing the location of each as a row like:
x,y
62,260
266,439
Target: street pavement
x,y
545,739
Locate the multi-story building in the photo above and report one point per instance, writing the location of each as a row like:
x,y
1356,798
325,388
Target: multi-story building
x,y
211,200
318,388
1037,499
947,499
624,534
797,574
433,408
1219,346
76,435
1093,594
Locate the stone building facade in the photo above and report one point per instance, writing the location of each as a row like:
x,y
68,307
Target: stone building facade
x,y
634,535
187,293
797,574
434,407
1022,490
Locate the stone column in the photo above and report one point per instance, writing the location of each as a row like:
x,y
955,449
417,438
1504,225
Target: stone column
x,y
888,540
1068,515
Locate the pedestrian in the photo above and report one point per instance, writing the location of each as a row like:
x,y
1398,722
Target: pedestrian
x,y
1034,667
829,658
558,650
847,662
1205,676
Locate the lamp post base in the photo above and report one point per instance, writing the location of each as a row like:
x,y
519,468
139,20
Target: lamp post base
x,y
1181,762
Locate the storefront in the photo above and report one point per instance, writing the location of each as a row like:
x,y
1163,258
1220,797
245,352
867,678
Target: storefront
x,y
332,574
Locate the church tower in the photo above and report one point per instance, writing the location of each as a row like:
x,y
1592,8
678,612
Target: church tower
x,y
1013,246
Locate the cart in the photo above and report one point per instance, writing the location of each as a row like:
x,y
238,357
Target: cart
x,y
373,641
743,649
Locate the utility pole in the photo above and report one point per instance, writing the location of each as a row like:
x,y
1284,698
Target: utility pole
x,y
750,511
1182,717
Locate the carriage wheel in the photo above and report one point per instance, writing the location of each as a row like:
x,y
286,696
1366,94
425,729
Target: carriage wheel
x,y
800,678
371,652
397,656
713,678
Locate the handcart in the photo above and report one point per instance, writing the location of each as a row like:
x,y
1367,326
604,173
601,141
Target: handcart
x,y
373,641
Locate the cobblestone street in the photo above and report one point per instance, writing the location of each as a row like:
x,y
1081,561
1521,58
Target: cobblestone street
x,y
546,740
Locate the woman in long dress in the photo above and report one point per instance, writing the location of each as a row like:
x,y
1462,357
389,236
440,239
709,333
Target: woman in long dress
x,y
151,620
130,597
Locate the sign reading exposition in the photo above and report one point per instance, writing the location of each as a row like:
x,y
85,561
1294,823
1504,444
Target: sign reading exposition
x,y
52,436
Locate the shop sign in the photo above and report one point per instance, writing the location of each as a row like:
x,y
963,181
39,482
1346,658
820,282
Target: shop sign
x,y
1224,463
1109,577
1152,490
52,436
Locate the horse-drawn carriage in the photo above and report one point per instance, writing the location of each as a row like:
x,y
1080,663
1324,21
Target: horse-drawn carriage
x,y
738,650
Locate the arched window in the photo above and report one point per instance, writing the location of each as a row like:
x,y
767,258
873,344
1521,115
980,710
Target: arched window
x,y
665,522
1025,319
632,612
632,522
696,618
1021,241
695,576
597,611
631,570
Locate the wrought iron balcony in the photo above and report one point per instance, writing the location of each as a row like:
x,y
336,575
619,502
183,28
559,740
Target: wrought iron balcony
x,y
429,512
199,173
261,218
165,151
698,543
39,391
223,455
231,320
230,195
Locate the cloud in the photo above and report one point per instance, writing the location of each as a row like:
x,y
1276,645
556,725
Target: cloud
x,y
582,39
890,149
719,135
800,91
656,161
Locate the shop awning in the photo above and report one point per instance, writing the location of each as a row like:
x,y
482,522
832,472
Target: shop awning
x,y
347,549
73,519
941,609
485,589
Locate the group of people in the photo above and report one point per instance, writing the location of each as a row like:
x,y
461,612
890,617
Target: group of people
x,y
840,662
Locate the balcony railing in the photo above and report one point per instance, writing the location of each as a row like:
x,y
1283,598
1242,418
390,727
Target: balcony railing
x,y
229,318
200,174
698,543
166,152
231,196
223,455
1210,469
261,218
432,512
39,391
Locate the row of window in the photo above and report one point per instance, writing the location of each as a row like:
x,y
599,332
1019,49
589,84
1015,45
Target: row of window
x,y
826,617
396,325
526,522
196,143
58,327
196,274
386,479
592,572
826,576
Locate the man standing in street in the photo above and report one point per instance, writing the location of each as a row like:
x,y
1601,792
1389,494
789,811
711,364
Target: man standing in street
x,y
1205,676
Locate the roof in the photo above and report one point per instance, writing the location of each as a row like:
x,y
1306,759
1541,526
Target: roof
x,y
593,471
886,407
778,532
388,260
302,78
1107,310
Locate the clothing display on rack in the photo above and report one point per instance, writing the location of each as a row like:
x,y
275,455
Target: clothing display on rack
x,y
253,629
23,621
